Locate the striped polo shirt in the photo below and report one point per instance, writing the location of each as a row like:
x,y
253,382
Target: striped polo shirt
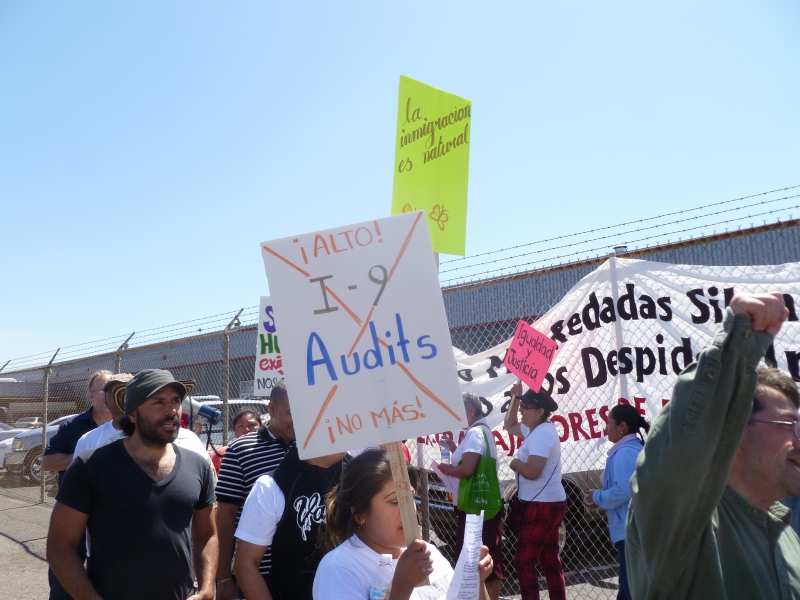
x,y
245,460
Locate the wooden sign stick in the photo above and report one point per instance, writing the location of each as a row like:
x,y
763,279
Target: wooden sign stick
x,y
405,495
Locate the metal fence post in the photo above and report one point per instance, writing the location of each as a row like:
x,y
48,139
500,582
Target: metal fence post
x,y
45,399
612,259
226,373
118,361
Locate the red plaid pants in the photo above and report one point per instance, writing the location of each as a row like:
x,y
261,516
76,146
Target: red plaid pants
x,y
537,542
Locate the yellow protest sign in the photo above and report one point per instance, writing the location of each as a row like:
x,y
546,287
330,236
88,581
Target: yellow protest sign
x,y
432,161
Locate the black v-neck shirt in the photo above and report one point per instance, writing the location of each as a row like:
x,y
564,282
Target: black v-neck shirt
x,y
140,529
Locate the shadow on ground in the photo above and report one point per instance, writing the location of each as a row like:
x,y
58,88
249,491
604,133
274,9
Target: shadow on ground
x,y
23,535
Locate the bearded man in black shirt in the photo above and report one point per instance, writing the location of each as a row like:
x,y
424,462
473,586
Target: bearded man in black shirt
x,y
146,503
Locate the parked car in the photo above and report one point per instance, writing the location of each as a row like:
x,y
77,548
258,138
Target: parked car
x,y
5,448
28,422
25,457
7,432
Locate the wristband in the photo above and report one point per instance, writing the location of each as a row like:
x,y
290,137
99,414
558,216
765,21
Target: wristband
x,y
221,581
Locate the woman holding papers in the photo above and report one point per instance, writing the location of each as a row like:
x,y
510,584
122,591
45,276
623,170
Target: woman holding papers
x,y
477,442
542,501
363,526
625,426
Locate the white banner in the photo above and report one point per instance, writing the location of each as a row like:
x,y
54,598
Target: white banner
x,y
624,333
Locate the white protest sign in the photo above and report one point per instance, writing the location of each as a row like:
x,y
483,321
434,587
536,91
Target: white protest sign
x,y
366,348
269,365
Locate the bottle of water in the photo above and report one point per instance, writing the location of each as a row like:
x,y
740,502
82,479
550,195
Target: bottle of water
x,y
381,578
445,452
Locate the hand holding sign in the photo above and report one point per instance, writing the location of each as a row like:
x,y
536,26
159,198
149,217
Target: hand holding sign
x,y
529,355
366,347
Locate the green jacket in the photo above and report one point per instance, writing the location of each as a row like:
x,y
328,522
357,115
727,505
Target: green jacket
x,y
690,535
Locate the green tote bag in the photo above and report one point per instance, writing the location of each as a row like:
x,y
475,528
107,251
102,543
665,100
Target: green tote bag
x,y
481,490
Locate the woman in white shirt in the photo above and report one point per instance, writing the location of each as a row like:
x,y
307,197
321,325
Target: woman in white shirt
x,y
474,445
541,494
364,522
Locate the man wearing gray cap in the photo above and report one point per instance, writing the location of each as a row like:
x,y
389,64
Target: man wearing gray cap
x,y
147,504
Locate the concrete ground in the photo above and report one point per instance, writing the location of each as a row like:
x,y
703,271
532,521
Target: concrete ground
x,y
23,568
599,584
23,532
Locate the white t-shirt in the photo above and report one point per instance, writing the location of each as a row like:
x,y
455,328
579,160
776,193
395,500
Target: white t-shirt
x,y
345,573
474,441
95,438
542,441
261,513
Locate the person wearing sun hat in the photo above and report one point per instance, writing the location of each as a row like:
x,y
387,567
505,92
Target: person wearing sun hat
x,y
542,500
147,502
100,435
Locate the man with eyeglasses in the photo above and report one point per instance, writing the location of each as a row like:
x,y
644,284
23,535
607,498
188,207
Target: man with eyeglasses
x,y
705,519
58,454
100,435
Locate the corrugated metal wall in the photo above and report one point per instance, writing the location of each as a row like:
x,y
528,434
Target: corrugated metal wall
x,y
480,315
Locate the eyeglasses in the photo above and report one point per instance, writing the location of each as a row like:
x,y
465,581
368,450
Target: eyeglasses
x,y
795,425
527,406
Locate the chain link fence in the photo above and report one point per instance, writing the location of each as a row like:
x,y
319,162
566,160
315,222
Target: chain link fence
x,y
220,356
485,314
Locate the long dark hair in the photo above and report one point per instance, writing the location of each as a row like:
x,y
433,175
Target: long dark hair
x,y
362,479
625,413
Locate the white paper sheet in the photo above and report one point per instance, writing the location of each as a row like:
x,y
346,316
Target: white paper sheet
x,y
465,584
451,483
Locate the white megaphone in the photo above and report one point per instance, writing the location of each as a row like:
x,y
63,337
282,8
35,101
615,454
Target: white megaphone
x,y
197,412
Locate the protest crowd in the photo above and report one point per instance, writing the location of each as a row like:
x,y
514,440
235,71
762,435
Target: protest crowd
x,y
699,503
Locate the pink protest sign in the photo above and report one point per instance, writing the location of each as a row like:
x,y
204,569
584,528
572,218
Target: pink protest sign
x,y
529,355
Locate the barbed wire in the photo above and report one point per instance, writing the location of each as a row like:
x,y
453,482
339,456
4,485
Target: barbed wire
x,y
122,336
605,237
677,212
596,250
249,315
146,337
207,326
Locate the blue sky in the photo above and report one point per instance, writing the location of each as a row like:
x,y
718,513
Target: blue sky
x,y
147,148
